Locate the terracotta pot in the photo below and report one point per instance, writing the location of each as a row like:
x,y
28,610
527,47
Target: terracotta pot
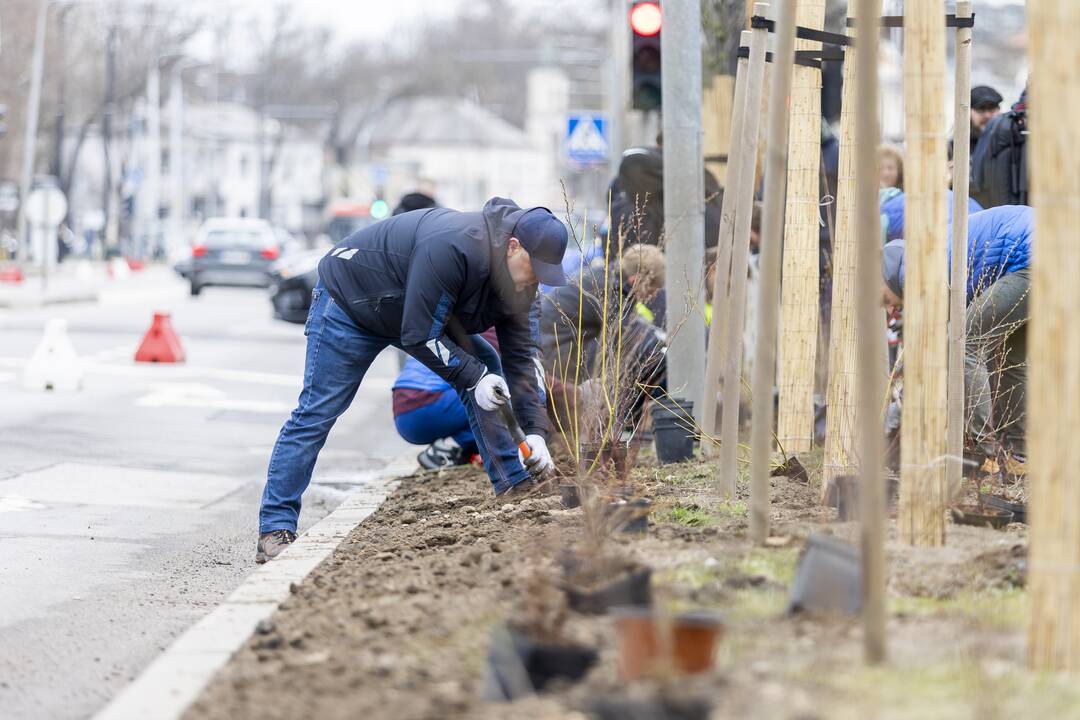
x,y
638,640
694,636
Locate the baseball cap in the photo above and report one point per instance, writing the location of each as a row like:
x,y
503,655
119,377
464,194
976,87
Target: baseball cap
x,y
984,96
544,238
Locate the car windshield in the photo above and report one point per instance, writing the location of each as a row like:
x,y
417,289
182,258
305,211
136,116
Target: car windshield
x,y
237,238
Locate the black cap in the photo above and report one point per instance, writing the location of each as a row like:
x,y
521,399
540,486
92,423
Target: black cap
x,y
983,96
544,238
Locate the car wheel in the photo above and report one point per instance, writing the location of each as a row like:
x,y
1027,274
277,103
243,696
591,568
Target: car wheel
x,y
195,288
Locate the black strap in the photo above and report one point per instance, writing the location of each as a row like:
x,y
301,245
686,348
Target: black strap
x,y
760,22
897,21
821,36
805,58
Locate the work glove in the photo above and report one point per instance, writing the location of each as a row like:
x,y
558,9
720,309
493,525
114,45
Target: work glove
x,y
491,392
539,461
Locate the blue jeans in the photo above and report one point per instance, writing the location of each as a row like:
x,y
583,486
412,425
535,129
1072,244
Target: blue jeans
x,y
338,355
445,417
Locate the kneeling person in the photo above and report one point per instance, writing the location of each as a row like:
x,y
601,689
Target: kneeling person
x,y
427,282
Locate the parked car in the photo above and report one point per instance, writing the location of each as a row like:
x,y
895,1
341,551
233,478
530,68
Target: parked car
x,y
233,251
291,281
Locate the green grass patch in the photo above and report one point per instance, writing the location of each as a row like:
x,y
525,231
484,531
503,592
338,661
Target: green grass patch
x,y
689,515
1001,609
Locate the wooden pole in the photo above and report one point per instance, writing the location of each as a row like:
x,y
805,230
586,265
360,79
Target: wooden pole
x,y
954,439
871,328
926,311
723,264
1054,339
799,306
772,236
840,452
717,114
744,203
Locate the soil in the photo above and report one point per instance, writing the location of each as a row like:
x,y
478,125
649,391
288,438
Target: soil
x,y
397,622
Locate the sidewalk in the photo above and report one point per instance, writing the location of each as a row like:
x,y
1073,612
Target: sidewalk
x,y
81,281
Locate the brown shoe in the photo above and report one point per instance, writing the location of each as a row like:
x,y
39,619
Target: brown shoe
x,y
272,544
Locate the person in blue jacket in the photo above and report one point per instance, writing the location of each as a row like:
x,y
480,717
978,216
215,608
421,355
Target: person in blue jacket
x,y
999,280
428,411
427,282
892,202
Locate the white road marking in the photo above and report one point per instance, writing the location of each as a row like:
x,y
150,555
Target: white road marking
x,y
196,395
17,503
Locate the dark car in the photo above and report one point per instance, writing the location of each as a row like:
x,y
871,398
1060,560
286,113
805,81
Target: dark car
x,y
291,281
237,252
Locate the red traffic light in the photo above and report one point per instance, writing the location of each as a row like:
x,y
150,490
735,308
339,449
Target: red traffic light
x,y
645,18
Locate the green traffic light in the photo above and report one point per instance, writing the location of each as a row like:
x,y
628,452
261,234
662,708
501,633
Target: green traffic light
x,y
379,209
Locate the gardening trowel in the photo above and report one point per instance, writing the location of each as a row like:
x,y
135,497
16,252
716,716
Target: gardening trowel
x,y
506,413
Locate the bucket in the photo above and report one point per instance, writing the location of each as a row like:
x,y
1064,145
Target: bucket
x,y
673,430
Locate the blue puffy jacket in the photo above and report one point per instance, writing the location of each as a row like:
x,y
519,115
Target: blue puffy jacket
x,y
892,211
999,243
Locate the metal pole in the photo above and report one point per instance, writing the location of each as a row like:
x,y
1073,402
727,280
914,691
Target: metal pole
x,y
617,77
684,201
153,166
870,327
954,428
176,157
33,107
771,238
106,137
61,92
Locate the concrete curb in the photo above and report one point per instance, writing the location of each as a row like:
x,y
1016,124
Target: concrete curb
x,y
178,676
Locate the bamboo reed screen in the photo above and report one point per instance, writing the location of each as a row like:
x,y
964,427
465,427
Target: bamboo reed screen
x,y
926,311
799,279
1054,339
840,453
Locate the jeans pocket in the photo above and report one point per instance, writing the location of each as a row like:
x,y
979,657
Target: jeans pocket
x,y
315,294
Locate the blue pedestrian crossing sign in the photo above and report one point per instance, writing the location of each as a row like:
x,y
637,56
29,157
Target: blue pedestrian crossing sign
x,y
586,138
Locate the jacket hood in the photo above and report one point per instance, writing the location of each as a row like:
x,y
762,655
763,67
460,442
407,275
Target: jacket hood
x,y
501,216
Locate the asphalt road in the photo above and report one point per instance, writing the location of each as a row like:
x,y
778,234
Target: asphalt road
x,y
128,508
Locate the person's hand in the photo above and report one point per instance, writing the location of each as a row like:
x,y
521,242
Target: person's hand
x,y
491,392
539,461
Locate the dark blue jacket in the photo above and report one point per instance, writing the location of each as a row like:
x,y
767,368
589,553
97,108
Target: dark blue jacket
x,y
428,279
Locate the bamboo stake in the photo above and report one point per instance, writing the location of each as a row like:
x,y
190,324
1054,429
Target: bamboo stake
x,y
1054,339
723,265
772,237
744,200
926,311
840,452
870,331
954,439
800,281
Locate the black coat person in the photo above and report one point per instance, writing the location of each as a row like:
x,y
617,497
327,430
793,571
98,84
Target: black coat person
x,y
427,282
637,199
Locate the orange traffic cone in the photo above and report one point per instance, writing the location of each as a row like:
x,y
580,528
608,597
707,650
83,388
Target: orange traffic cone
x,y
161,344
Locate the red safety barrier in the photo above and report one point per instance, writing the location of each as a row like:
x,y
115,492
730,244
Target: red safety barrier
x,y
11,274
161,344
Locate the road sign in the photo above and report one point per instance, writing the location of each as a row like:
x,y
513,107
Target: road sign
x,y
46,206
586,138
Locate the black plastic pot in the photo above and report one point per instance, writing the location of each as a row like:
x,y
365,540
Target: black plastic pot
x,y
1019,510
620,708
631,588
981,516
630,516
519,665
673,430
828,577
571,495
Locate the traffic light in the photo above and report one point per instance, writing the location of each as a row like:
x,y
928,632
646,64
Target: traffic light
x,y
645,22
